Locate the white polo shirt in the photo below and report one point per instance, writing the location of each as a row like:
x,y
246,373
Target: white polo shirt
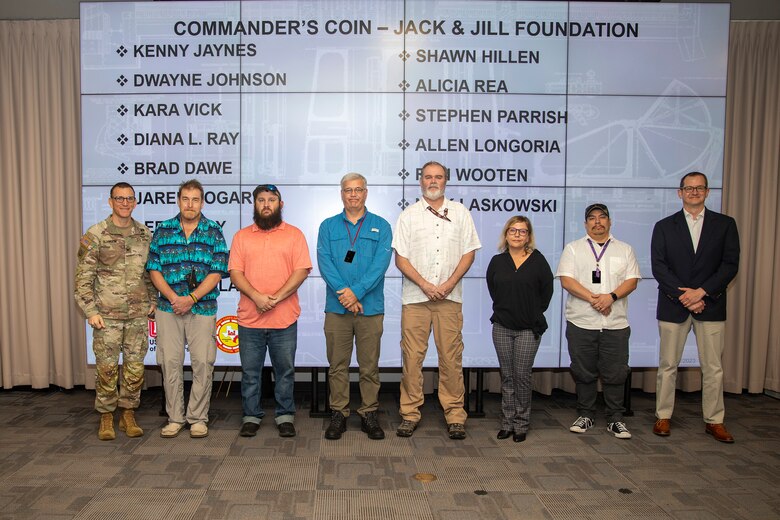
x,y
434,246
617,265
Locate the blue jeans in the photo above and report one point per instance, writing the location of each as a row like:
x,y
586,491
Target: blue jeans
x,y
281,345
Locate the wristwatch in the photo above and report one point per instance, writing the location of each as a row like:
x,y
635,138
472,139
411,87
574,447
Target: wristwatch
x,y
614,296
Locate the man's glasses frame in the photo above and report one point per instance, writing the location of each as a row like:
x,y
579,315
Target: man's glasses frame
x,y
119,200
357,191
691,189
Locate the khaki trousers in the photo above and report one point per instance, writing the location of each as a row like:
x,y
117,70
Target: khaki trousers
x,y
446,320
710,342
341,331
198,332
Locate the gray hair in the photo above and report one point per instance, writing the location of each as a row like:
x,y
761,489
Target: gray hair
x,y
353,177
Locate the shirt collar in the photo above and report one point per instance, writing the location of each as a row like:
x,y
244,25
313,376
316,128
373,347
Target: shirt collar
x,y
256,229
689,216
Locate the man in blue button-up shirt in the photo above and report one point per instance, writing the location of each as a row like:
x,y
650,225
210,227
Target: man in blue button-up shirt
x,y
353,253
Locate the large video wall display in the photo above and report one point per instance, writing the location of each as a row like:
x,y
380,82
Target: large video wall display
x,y
536,108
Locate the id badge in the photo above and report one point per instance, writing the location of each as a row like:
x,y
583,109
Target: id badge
x,y
596,276
192,281
349,257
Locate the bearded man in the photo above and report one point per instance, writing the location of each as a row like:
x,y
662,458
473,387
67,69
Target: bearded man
x,y
435,242
269,260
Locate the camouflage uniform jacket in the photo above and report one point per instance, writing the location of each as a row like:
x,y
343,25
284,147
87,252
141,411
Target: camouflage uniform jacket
x,y
111,276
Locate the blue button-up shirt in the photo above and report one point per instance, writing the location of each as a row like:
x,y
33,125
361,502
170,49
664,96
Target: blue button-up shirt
x,y
365,275
175,256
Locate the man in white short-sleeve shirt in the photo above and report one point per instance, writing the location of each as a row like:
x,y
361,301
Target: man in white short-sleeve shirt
x,y
599,272
435,243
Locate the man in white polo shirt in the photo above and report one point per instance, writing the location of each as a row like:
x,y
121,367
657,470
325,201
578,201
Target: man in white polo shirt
x,y
599,272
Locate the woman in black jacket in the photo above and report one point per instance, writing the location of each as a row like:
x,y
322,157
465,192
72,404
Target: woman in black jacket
x,y
520,283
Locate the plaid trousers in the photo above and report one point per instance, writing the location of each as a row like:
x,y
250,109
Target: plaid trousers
x,y
516,350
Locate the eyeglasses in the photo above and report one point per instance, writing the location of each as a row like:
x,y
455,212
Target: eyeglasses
x,y
350,191
516,231
691,189
268,187
120,200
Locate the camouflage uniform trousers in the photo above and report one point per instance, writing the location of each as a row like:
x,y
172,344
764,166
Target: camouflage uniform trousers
x,y
130,337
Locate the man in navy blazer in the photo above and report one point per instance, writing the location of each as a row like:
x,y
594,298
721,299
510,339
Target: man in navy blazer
x,y
695,255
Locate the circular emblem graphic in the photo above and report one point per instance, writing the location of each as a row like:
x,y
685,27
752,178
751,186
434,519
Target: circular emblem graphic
x,y
227,334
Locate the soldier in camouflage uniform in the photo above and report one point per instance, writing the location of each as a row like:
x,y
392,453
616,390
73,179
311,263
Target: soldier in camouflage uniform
x,y
114,291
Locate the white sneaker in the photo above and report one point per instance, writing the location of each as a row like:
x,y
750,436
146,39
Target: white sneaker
x,y
581,425
619,430
199,430
171,430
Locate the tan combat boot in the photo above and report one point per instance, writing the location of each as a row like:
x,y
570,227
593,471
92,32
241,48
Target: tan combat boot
x,y
128,425
106,431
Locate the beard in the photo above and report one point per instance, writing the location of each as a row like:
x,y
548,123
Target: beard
x,y
434,193
269,222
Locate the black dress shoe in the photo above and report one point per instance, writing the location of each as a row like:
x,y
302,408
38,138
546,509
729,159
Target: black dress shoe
x,y
370,425
504,434
286,429
338,425
249,429
518,437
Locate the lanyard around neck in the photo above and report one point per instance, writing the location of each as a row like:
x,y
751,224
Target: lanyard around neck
x,y
443,217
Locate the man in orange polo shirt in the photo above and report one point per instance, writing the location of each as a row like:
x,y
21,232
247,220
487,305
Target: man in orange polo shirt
x,y
269,260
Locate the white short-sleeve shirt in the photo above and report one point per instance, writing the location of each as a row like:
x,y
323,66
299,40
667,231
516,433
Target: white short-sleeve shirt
x,y
433,245
617,265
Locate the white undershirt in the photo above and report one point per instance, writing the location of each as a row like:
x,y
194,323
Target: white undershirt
x,y
694,226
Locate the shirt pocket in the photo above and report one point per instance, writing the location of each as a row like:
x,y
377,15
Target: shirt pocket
x,y
110,252
367,243
617,268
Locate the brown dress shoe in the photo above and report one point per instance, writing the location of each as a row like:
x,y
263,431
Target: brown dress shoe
x,y
719,432
661,427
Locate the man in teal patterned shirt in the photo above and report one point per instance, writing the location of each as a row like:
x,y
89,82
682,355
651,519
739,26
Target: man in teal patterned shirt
x,y
187,259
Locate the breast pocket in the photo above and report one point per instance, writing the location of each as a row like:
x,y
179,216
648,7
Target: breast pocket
x,y
617,268
368,243
110,252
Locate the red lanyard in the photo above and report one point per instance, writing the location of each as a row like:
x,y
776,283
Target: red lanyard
x,y
351,241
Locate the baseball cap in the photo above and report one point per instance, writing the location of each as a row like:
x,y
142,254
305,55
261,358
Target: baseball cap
x,y
594,207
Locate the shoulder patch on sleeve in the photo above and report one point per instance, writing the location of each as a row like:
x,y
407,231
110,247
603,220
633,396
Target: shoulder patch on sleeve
x,y
84,244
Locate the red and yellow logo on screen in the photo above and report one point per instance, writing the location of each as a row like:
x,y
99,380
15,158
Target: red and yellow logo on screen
x,y
227,334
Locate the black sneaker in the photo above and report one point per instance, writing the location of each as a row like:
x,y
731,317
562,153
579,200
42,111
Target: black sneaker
x,y
370,425
337,426
286,429
249,429
619,430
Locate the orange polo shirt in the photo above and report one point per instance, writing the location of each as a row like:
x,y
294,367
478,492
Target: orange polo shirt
x,y
267,259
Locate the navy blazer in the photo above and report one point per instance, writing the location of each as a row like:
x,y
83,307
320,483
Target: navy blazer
x,y
711,267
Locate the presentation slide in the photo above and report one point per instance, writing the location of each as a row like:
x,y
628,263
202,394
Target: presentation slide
x,y
535,108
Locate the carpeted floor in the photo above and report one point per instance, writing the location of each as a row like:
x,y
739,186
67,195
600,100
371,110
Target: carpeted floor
x,y
52,465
